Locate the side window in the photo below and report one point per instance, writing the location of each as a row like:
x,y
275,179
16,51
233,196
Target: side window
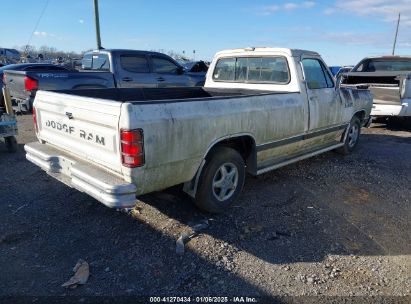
x,y
95,62
134,64
361,66
316,75
224,69
100,62
87,62
164,66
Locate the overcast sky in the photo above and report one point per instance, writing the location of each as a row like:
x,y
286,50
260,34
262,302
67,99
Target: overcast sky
x,y
342,31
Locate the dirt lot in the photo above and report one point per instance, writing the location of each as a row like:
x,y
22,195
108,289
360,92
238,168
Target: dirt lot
x,y
331,225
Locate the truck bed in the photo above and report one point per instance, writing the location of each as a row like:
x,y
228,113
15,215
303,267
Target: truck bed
x,y
163,95
384,86
53,80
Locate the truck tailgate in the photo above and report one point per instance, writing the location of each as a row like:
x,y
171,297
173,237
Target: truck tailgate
x,y
85,127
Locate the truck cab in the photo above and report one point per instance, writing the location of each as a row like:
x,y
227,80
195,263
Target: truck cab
x,y
282,70
138,69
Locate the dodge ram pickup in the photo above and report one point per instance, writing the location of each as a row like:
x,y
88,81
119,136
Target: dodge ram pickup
x,y
260,109
102,69
389,80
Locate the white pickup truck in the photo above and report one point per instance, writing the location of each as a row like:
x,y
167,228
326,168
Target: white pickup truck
x,y
260,109
389,80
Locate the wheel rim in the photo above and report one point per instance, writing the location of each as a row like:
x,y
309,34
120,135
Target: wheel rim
x,y
353,135
225,181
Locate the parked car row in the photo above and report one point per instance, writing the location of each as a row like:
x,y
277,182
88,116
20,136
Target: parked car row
x,y
100,69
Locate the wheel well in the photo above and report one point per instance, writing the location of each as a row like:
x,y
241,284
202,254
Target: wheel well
x,y
245,145
360,115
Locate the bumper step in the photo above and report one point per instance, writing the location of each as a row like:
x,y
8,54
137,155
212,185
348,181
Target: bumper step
x,y
102,185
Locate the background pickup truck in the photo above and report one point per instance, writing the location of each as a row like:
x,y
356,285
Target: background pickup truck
x,y
389,80
39,67
260,109
102,69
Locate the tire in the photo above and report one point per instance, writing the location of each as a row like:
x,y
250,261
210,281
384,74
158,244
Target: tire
x,y
352,137
221,180
11,144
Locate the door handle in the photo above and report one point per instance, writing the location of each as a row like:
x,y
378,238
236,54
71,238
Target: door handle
x,y
160,79
127,79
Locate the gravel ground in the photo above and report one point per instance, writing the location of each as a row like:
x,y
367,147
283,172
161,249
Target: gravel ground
x,y
330,227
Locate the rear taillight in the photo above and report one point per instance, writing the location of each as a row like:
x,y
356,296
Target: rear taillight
x,y
30,84
132,148
34,113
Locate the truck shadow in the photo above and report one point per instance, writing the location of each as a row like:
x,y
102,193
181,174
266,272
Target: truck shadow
x,y
393,125
306,211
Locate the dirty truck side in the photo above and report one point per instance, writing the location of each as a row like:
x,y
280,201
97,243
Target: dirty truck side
x,y
259,110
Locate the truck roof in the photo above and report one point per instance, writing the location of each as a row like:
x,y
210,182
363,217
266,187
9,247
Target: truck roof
x,y
389,57
290,52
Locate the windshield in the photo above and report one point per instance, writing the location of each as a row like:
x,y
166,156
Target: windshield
x,y
380,65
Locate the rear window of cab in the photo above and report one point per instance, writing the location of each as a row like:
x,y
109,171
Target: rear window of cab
x,y
252,70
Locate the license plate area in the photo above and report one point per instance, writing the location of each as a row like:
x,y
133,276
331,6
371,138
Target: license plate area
x,y
62,165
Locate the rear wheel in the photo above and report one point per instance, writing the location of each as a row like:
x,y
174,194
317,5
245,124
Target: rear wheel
x,y
352,137
11,143
221,181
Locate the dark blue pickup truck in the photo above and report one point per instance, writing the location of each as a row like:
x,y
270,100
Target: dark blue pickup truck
x,y
102,69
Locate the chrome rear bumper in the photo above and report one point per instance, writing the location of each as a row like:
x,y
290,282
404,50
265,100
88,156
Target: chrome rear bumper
x,y
104,186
